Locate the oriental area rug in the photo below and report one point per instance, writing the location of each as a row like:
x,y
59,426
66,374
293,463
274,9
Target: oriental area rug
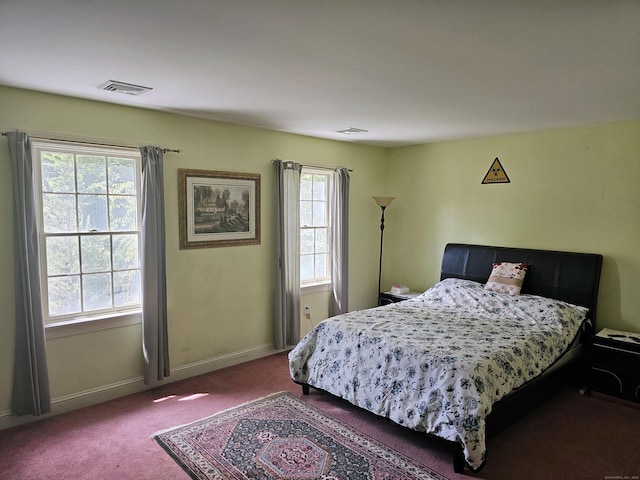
x,y
282,437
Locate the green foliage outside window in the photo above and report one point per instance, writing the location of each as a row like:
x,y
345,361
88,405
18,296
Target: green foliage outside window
x,y
91,231
314,227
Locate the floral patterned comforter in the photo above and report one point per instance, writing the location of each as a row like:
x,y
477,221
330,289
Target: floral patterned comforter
x,y
438,362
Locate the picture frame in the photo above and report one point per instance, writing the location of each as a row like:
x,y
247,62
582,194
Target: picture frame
x,y
218,209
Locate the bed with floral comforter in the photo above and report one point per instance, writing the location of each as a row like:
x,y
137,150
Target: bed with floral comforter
x,y
437,363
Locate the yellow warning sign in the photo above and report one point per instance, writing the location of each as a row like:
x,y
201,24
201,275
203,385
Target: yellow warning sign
x,y
496,174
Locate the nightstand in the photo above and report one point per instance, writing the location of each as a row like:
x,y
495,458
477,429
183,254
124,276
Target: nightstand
x,y
615,367
385,298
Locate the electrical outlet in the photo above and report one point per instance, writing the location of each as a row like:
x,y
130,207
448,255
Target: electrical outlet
x,y
307,312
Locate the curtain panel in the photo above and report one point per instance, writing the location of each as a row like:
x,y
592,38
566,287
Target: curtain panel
x,y
287,295
155,343
30,394
339,214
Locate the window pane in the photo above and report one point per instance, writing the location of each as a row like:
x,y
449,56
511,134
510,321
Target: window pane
x,y
123,213
306,186
314,226
63,256
96,254
64,295
96,291
306,267
92,213
125,252
321,245
306,241
319,187
92,174
88,195
319,213
126,288
321,265
306,218
59,213
57,172
122,176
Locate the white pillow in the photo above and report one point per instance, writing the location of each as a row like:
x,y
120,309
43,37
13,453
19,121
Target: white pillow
x,y
507,277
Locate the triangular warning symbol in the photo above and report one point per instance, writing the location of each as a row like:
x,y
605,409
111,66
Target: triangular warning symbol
x,y
496,174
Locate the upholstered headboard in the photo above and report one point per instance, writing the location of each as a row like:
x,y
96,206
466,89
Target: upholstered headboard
x,y
571,277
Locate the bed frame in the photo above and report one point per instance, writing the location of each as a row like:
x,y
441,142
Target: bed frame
x,y
568,276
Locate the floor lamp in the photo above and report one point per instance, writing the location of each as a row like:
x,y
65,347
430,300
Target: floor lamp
x,y
383,203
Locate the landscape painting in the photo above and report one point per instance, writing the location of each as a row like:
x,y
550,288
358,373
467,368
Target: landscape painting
x,y
218,209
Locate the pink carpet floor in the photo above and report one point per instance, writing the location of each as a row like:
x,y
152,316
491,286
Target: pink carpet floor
x,y
571,436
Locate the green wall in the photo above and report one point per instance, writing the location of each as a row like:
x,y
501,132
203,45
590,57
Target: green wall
x,y
575,189
219,299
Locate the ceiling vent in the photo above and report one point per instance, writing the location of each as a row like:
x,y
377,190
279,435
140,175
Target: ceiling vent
x,y
122,87
352,131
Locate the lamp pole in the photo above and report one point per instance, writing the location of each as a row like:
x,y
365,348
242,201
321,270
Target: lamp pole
x,y
383,208
383,203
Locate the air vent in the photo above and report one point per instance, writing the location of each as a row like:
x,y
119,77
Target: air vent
x,y
122,87
352,131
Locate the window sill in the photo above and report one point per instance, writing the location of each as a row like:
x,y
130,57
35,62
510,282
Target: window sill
x,y
92,324
315,288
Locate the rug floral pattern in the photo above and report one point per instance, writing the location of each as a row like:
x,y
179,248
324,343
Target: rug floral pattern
x,y
282,437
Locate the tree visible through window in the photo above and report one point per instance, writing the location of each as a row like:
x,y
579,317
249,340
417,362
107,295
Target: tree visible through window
x,y
314,227
89,229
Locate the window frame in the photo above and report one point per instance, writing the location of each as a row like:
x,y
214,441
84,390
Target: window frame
x,y
318,284
79,322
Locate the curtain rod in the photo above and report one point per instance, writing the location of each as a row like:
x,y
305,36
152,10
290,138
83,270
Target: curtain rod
x,y
101,143
312,166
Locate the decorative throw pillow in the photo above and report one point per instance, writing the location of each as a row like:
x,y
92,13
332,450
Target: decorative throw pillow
x,y
507,277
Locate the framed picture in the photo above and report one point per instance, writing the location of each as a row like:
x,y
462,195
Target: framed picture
x,y
218,209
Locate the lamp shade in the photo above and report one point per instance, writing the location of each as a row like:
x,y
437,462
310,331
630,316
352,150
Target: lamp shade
x,y
384,201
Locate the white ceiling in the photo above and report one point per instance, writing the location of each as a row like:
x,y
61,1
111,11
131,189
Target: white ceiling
x,y
408,71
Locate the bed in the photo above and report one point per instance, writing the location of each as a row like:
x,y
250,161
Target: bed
x,y
464,359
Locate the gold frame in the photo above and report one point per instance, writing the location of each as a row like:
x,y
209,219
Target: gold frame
x,y
232,184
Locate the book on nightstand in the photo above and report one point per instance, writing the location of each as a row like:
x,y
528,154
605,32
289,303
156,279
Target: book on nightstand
x,y
629,338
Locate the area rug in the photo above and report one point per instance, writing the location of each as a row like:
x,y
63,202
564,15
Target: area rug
x,y
282,437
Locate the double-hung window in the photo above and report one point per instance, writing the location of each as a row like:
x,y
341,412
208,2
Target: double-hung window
x,y
315,228
89,230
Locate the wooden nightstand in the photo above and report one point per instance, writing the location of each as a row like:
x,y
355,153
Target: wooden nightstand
x,y
615,369
385,298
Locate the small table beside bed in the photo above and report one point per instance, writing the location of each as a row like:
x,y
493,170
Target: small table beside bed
x,y
468,356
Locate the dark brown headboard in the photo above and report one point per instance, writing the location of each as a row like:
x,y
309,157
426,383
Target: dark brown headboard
x,y
571,277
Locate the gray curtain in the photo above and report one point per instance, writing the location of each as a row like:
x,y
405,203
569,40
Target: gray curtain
x,y
287,299
155,343
30,394
339,213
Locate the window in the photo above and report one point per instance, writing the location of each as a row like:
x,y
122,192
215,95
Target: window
x,y
89,230
315,254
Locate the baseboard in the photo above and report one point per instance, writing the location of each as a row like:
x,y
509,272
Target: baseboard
x,y
205,366
105,393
